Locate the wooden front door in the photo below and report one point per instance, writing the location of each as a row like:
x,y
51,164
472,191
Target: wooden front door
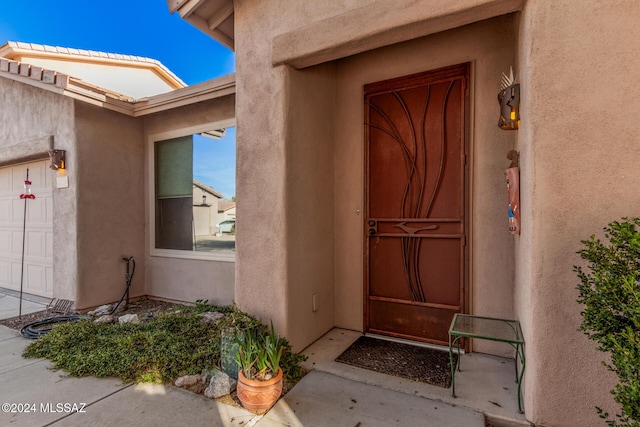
x,y
415,207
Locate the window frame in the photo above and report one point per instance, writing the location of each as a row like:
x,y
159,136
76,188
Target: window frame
x,y
151,217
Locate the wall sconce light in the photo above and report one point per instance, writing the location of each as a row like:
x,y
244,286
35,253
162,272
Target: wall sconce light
x,y
57,161
509,99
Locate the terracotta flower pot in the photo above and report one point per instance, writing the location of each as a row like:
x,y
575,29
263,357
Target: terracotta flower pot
x,y
259,396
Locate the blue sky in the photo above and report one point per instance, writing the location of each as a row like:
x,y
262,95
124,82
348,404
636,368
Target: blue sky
x,y
136,27
214,162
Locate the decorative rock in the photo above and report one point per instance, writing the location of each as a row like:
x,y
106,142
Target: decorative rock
x,y
108,318
101,311
206,375
145,317
211,316
187,380
219,385
129,318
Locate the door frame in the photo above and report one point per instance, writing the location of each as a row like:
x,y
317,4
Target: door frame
x,y
441,72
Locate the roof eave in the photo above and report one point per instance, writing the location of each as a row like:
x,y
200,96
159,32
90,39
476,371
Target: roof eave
x,y
77,89
215,88
209,16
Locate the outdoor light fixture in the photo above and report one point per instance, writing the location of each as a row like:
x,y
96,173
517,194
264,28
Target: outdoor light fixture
x,y
509,99
57,160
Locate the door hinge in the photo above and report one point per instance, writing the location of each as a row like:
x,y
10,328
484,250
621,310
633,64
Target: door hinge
x,y
464,240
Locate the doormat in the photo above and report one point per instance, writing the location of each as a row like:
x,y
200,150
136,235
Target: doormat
x,y
400,360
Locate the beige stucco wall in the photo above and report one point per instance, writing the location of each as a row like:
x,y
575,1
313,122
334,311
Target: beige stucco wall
x,y
284,155
576,64
580,148
29,117
185,279
489,46
309,177
109,174
285,120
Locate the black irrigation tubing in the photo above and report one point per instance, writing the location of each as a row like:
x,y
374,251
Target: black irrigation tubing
x,y
33,330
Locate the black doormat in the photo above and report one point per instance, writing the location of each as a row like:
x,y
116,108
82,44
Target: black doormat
x,y
400,360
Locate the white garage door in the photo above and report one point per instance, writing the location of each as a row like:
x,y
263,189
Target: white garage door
x,y
38,265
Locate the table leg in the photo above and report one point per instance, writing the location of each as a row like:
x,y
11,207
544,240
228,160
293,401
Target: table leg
x,y
522,359
517,349
456,366
453,368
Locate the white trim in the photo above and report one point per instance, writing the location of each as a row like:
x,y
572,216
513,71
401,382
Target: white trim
x,y
195,255
173,253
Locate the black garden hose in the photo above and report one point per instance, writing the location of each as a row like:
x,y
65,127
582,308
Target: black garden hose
x,y
129,277
33,330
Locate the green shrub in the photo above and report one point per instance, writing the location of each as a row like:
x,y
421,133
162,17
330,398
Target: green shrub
x,y
610,291
160,350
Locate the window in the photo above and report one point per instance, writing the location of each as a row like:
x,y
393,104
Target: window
x,y
193,194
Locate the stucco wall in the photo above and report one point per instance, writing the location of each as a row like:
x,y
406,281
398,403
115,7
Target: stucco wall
x,y
29,116
179,278
275,113
489,46
272,113
310,201
580,148
576,62
111,220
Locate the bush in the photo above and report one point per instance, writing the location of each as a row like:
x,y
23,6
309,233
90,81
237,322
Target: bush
x,y
168,346
610,291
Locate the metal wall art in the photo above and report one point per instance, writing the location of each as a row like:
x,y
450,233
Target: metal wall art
x,y
57,159
509,99
512,176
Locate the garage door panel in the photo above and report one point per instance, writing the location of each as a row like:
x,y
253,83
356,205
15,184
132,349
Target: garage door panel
x,y
36,282
5,274
17,179
38,263
36,212
5,211
37,176
5,242
16,242
16,270
48,209
36,244
5,180
48,280
17,210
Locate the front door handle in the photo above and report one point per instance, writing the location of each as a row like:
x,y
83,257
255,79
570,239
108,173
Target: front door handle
x,y
372,231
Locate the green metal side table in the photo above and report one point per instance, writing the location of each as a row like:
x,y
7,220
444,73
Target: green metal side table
x,y
486,328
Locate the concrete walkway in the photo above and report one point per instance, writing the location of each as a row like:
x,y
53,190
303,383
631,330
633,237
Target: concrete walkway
x,y
10,304
40,396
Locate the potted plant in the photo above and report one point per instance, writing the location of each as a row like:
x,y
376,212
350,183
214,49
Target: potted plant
x,y
260,377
